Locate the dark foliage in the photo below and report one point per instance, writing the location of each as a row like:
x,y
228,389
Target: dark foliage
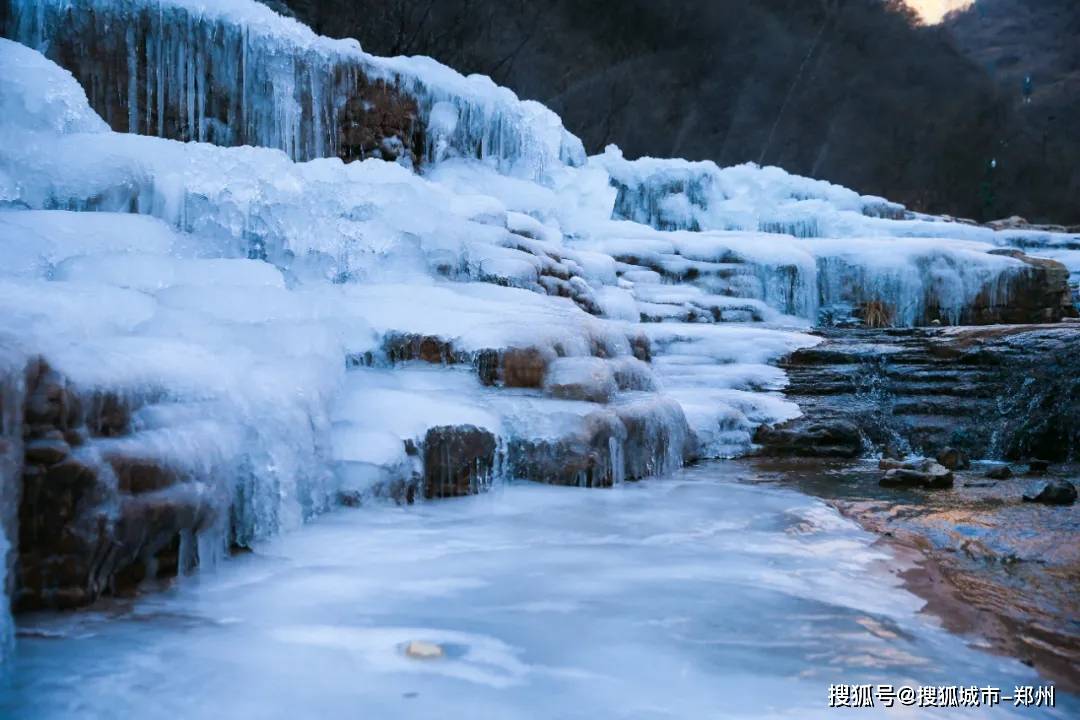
x,y
852,91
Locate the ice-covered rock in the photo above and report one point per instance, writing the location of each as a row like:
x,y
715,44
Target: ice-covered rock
x,y
234,72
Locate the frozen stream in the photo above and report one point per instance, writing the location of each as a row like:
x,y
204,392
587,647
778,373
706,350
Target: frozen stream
x,y
692,596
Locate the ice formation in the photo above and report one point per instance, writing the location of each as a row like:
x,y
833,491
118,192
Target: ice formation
x,y
288,331
233,72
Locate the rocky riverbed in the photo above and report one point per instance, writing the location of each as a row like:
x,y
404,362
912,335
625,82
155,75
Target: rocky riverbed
x,y
1000,570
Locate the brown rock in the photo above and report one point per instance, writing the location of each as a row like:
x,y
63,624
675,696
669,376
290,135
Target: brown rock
x,y
46,451
138,475
524,367
458,460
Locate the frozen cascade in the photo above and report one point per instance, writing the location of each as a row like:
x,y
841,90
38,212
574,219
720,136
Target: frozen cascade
x,y
252,335
233,72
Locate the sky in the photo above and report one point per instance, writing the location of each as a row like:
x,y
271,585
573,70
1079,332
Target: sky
x,y
932,11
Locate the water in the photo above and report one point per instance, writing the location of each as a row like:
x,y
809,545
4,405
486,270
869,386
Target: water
x,y
692,596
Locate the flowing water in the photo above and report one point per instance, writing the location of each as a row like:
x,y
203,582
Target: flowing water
x,y
691,596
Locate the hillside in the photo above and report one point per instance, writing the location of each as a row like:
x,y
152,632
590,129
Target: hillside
x,y
849,91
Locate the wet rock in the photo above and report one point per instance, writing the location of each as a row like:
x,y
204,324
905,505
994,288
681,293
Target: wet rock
x,y
891,452
1060,492
954,459
832,438
459,460
47,451
925,474
890,464
1001,472
1038,467
980,390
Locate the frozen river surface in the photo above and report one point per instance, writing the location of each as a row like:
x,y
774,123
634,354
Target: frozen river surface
x,y
693,596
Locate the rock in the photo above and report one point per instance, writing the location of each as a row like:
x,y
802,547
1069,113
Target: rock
x,y
890,464
934,388
1001,472
831,438
581,378
658,439
632,374
891,452
76,437
401,347
580,457
1059,492
458,460
421,650
108,415
641,347
138,475
954,459
524,367
925,474
47,451
1038,467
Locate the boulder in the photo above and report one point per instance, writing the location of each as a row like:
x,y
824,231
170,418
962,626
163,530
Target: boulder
x,y
924,474
827,438
1060,492
1001,472
954,459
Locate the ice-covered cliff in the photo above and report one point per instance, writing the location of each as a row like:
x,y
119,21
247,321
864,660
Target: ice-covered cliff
x,y
216,327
